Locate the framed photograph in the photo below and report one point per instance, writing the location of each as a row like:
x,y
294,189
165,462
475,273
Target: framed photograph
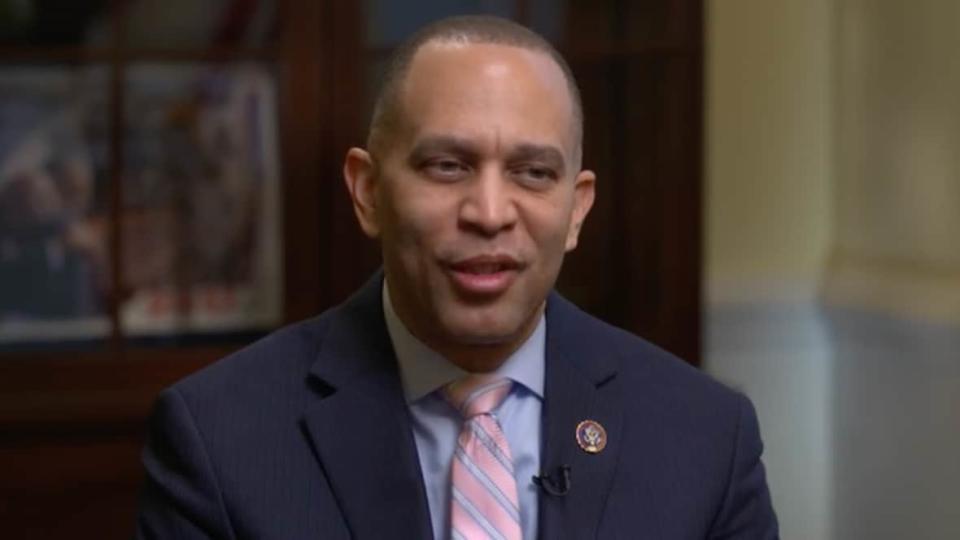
x,y
54,262
201,215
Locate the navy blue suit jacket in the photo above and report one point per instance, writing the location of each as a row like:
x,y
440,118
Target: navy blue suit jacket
x,y
306,435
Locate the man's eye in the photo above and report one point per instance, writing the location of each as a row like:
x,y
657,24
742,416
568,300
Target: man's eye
x,y
535,175
445,168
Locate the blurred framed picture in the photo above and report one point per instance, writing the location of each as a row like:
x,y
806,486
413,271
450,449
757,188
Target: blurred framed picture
x,y
53,204
201,242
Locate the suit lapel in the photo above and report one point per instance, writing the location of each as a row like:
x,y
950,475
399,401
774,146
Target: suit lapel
x,y
580,385
360,430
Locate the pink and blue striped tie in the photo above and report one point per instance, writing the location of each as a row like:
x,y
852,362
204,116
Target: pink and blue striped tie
x,y
484,500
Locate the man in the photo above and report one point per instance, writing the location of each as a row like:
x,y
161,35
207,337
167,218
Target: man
x,y
455,396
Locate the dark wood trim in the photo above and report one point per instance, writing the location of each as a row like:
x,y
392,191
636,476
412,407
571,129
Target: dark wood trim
x,y
692,263
63,393
349,257
117,98
71,55
300,92
521,13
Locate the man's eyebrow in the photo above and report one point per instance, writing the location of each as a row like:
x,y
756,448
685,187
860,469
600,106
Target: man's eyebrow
x,y
447,144
549,155
441,144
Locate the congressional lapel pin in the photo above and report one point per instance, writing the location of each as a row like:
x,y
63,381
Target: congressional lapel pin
x,y
591,436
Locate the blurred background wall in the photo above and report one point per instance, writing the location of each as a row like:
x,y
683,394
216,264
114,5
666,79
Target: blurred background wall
x,y
892,287
833,261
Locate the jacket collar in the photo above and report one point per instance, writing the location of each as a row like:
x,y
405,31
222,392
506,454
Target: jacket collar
x,y
581,385
361,429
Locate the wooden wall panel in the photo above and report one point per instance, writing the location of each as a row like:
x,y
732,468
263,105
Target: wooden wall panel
x,y
84,487
72,422
638,264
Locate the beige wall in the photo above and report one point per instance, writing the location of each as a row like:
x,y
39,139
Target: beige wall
x,y
768,226
833,254
769,140
893,282
897,243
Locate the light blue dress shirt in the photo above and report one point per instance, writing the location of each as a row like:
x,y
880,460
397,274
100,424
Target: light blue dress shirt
x,y
436,424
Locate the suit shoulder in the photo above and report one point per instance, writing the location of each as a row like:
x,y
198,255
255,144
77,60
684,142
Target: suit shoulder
x,y
282,358
642,358
683,402
645,365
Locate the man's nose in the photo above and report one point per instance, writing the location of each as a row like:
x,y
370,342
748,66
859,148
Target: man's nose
x,y
488,206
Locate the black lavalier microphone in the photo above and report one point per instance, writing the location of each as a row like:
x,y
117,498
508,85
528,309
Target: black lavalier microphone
x,y
556,483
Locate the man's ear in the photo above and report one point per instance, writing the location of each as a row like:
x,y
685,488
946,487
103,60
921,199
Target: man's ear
x,y
360,175
584,186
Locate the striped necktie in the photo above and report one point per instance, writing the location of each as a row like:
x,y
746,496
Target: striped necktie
x,y
484,500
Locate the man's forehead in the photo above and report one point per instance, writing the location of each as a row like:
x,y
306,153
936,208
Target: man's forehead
x,y
472,78
494,59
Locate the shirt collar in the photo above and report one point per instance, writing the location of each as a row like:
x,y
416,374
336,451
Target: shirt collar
x,y
423,370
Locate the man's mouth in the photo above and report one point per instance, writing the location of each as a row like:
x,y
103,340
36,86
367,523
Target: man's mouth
x,y
486,264
484,275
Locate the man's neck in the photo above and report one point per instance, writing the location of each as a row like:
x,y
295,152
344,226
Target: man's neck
x,y
482,357
471,357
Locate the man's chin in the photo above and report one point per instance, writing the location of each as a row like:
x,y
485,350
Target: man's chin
x,y
483,340
485,332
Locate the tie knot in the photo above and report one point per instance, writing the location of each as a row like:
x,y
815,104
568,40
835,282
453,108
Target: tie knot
x,y
477,394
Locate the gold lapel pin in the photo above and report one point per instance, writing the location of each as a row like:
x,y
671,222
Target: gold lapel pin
x,y
591,436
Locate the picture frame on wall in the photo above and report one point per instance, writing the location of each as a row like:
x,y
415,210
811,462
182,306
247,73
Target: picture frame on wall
x,y
201,213
54,204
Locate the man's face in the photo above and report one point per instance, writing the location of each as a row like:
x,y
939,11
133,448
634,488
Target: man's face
x,y
477,195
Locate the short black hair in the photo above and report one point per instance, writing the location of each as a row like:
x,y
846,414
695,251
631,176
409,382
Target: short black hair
x,y
466,29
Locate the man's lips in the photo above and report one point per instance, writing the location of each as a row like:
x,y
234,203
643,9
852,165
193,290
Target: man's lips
x,y
485,264
484,275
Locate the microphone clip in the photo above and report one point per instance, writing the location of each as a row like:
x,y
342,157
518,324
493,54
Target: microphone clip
x,y
558,487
